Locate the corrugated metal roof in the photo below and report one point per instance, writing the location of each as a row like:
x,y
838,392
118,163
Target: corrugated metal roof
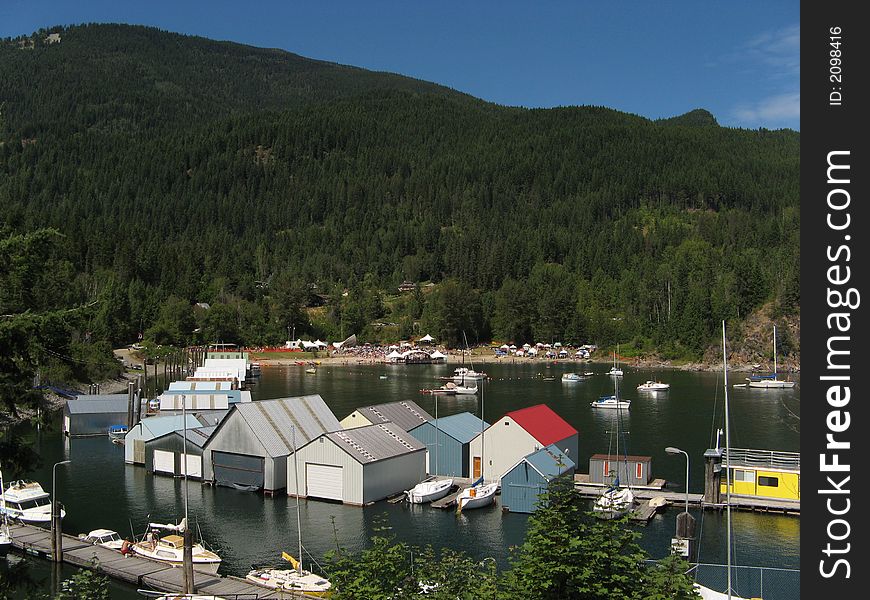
x,y
542,423
198,436
158,426
273,421
462,427
617,457
375,442
550,461
97,404
199,385
407,414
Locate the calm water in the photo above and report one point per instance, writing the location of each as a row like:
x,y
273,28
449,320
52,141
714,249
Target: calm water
x,y
99,490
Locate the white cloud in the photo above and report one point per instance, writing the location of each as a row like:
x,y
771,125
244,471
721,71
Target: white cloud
x,y
780,109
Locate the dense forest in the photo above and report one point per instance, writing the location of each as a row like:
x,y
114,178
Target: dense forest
x,y
285,194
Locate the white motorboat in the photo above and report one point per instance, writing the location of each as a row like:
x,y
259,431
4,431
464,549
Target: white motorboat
x,y
568,377
169,549
615,371
103,537
290,580
463,374
465,390
653,386
476,496
5,535
613,503
27,502
117,433
427,491
611,402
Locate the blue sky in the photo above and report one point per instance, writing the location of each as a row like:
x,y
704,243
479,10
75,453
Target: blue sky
x,y
738,59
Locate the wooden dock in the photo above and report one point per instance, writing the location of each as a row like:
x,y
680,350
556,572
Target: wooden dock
x,y
135,570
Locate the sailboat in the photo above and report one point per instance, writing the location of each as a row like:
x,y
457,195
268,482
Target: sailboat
x,y
431,489
463,374
612,401
615,501
770,382
705,592
615,371
296,579
5,536
478,493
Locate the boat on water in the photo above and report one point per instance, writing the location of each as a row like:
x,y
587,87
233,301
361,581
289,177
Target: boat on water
x,y
27,502
772,381
615,371
653,386
611,402
103,537
479,493
169,549
463,374
311,371
290,580
616,500
441,391
465,390
567,377
5,534
117,433
428,491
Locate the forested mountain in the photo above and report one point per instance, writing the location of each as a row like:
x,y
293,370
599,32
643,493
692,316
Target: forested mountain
x,y
183,170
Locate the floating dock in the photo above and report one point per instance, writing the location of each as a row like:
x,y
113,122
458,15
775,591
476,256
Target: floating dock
x,y
137,571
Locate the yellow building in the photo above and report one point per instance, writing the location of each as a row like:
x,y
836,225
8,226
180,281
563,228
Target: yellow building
x,y
762,473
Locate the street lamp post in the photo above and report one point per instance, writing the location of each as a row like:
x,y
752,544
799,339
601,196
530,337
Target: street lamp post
x,y
685,534
674,451
56,532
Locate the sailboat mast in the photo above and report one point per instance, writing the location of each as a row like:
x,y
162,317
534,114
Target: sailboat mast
x,y
727,463
298,517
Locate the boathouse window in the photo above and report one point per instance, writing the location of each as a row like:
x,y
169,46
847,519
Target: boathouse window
x,y
768,481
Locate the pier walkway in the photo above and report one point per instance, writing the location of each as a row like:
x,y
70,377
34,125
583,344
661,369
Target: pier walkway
x,y
137,571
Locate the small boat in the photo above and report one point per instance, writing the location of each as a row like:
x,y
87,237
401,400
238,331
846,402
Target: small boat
x,y
444,390
103,537
169,549
613,503
117,433
27,502
5,535
653,386
568,377
610,402
290,580
311,371
465,374
465,390
476,496
615,371
382,377
772,381
427,491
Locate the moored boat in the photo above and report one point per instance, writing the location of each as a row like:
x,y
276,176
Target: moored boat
x,y
27,502
290,580
476,496
428,491
613,503
103,537
567,377
169,549
610,402
653,386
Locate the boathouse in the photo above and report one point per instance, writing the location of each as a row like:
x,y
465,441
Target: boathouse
x,y
189,386
407,414
529,478
447,442
202,399
518,434
93,414
631,469
249,448
755,473
358,466
164,455
151,428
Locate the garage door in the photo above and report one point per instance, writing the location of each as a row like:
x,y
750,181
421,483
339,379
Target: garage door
x,y
194,465
164,462
324,481
238,470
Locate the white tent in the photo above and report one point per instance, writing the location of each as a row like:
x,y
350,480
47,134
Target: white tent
x,y
394,356
320,344
438,356
513,347
309,346
505,347
426,338
557,345
533,352
527,346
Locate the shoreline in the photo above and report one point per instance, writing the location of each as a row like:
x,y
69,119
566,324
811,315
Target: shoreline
x,y
333,361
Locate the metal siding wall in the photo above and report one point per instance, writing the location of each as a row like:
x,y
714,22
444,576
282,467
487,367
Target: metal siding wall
x,y
504,446
571,444
450,453
233,436
95,424
327,453
393,475
520,488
